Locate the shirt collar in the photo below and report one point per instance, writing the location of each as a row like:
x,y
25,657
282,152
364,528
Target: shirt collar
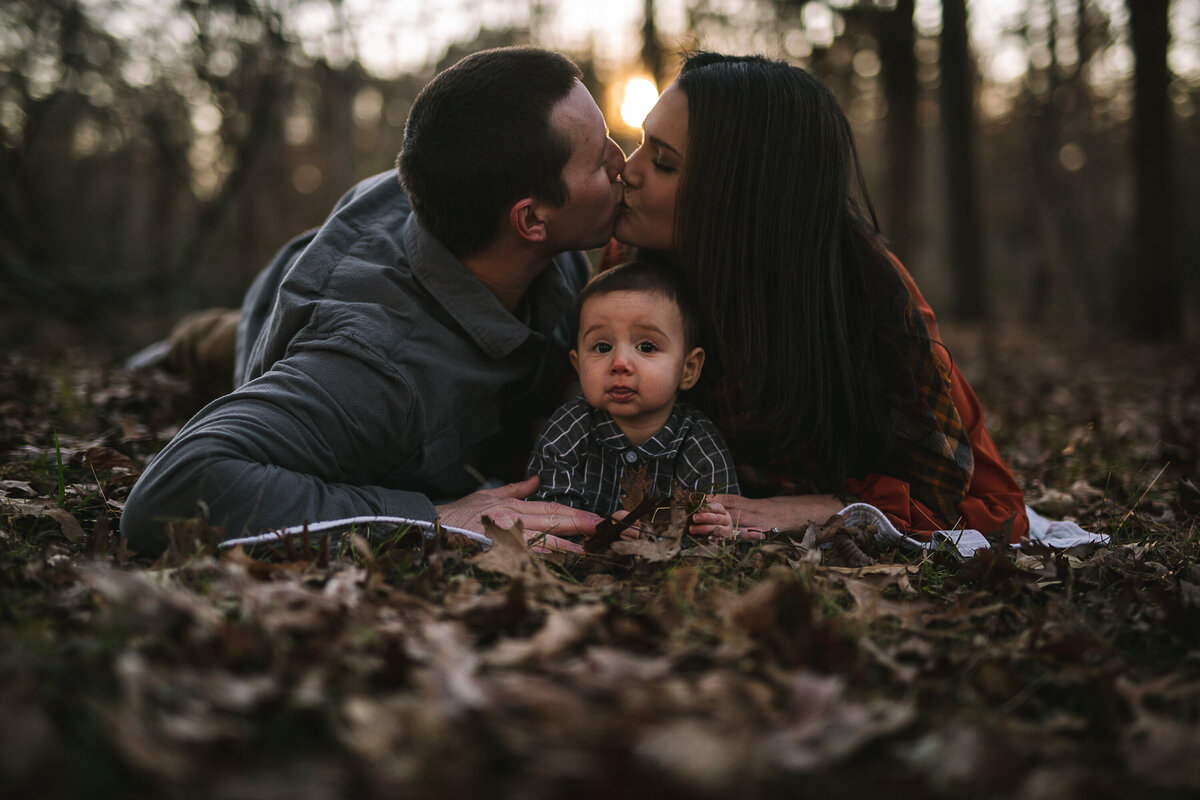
x,y
496,331
663,444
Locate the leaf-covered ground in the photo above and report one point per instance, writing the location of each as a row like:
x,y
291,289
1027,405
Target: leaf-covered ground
x,y
393,667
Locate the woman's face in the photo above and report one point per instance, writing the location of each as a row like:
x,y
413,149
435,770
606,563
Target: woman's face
x,y
651,176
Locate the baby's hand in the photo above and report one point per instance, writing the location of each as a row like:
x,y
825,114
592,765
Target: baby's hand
x,y
630,533
713,521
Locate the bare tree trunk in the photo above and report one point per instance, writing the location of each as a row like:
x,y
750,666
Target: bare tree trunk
x,y
958,131
1152,286
652,54
899,68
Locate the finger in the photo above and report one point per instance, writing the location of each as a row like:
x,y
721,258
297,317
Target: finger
x,y
545,507
552,544
518,491
561,524
748,536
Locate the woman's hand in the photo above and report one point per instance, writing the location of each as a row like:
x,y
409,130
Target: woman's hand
x,y
506,506
753,516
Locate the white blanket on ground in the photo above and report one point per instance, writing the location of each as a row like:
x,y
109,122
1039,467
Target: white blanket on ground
x,y
1052,533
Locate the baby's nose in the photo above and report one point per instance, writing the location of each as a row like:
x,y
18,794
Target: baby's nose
x,y
621,363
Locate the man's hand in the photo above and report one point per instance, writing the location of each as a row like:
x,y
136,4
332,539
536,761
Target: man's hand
x,y
507,505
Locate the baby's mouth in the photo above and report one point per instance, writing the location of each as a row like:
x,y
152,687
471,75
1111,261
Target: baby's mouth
x,y
621,394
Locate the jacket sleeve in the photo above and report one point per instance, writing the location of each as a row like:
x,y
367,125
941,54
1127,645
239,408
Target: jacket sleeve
x,y
286,448
993,498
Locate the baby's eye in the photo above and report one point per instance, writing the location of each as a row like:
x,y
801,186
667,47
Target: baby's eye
x,y
646,347
602,347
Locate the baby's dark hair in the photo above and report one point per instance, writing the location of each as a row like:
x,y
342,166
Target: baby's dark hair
x,y
648,276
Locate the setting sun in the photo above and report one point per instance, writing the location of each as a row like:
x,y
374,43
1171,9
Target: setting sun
x,y
639,97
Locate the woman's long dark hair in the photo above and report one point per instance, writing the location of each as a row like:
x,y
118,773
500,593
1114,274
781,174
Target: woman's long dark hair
x,y
807,309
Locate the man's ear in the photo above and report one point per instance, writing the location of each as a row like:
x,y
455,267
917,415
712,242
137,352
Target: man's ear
x,y
526,220
692,364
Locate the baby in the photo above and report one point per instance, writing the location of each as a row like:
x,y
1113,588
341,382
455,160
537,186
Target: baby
x,y
636,350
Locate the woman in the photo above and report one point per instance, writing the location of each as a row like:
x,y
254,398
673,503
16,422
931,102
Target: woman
x,y
829,379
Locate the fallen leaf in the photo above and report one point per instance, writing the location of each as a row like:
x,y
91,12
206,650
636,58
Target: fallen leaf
x,y
70,526
827,728
563,629
1054,503
696,756
652,550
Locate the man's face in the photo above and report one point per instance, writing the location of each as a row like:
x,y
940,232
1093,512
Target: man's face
x,y
594,189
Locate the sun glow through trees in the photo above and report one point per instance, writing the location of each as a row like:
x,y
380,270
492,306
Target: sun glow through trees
x,y
639,97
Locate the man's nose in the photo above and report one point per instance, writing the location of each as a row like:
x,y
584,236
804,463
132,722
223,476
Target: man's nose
x,y
616,160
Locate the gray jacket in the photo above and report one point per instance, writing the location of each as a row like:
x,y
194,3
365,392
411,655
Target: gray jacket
x,y
377,375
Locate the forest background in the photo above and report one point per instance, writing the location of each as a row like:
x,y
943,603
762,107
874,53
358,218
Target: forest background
x,y
1033,161
1035,164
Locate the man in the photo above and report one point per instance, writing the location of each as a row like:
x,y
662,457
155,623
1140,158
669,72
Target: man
x,y
390,357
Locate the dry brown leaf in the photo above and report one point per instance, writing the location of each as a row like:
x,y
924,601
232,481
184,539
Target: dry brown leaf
x,y
827,728
1162,750
369,728
1054,503
498,610
636,488
260,568
97,540
848,552
697,757
563,629
70,526
652,550
101,458
509,554
616,667
16,489
450,667
189,538
779,614
609,530
867,597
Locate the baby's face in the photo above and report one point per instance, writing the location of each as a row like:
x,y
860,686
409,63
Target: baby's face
x,y
632,357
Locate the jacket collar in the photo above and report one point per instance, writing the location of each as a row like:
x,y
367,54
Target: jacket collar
x,y
489,324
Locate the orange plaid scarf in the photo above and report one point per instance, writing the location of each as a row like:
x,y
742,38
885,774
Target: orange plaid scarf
x,y
936,459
